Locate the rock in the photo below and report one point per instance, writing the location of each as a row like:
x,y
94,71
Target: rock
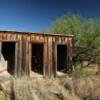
x,y
3,67
60,73
3,64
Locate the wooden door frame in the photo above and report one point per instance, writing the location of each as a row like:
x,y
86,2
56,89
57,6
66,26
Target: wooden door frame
x,y
30,55
55,55
16,54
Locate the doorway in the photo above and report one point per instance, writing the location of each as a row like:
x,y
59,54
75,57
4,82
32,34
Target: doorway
x,y
8,52
61,57
37,58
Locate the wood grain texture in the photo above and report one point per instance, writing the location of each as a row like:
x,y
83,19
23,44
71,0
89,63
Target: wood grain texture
x,y
23,50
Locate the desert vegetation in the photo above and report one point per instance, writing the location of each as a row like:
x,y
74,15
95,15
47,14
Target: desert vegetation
x,y
65,88
86,40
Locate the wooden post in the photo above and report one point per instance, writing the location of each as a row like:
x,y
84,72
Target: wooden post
x,y
49,56
27,58
69,55
54,58
30,57
20,59
45,54
23,57
45,59
16,58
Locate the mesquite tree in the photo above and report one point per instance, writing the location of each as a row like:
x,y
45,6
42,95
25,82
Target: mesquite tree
x,y
86,31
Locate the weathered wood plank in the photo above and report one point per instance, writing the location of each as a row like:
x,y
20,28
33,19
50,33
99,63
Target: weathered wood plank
x,y
68,54
54,60
41,38
0,37
66,39
33,37
4,36
57,39
19,70
45,57
8,36
16,58
13,37
49,56
24,66
30,57
70,51
37,38
27,57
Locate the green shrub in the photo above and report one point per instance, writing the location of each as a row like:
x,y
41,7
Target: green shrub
x,y
77,72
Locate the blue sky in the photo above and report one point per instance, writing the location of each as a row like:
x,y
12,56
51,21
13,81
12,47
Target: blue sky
x,y
35,15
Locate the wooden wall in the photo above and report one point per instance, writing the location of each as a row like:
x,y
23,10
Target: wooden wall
x,y
17,38
23,50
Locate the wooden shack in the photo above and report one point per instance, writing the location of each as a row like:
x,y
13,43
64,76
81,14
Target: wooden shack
x,y
39,52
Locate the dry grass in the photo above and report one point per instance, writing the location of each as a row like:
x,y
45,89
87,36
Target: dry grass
x,y
2,96
62,88
91,69
40,89
67,88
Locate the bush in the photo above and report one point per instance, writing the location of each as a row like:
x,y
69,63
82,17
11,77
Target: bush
x,y
77,72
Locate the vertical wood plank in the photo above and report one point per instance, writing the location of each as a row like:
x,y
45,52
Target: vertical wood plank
x,y
66,39
54,53
8,36
20,56
24,51
56,58
70,53
16,60
0,36
60,40
41,38
49,56
45,57
27,57
4,36
30,55
32,37
14,37
37,38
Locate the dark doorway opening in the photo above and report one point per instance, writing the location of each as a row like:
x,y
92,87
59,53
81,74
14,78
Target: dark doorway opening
x,y
8,51
37,58
61,57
